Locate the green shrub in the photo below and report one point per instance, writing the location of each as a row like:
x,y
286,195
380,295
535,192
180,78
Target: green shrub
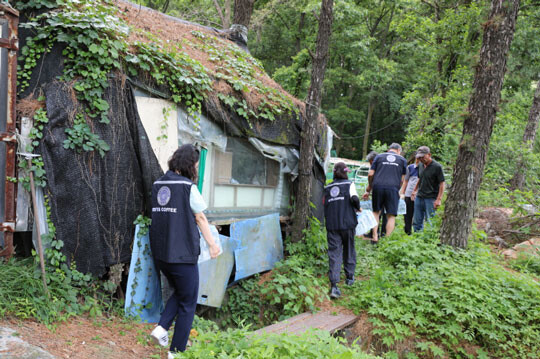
x,y
312,251
240,343
294,286
450,297
527,263
243,306
71,293
293,289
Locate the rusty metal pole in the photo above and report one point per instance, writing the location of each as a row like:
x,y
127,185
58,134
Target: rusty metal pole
x,y
38,229
10,195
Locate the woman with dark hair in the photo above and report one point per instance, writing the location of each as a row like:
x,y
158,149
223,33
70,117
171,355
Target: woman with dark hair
x,y
177,211
409,183
340,205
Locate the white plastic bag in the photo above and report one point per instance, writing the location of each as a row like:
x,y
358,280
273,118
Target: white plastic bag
x,y
366,221
205,251
402,209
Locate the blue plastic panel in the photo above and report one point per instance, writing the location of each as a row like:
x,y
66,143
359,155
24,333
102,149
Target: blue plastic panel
x,y
143,293
260,245
214,275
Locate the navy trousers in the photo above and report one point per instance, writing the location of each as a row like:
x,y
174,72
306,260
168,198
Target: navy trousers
x,y
184,279
341,250
408,216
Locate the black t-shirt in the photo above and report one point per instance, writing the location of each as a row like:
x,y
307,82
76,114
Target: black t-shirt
x,y
389,167
429,178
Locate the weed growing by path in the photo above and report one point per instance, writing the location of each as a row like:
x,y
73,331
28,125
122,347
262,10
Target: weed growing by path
x,y
450,298
294,286
240,343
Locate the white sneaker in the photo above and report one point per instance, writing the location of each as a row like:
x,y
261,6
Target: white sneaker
x,y
170,356
160,336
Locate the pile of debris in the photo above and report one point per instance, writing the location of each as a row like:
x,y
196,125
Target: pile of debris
x,y
508,232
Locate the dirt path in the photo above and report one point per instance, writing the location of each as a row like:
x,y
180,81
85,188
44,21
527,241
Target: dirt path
x,y
85,338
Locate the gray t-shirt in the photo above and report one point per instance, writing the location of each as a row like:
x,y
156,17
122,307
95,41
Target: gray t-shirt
x,y
412,177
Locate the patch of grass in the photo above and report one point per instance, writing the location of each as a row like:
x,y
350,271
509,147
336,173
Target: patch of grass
x,y
527,263
446,297
23,296
240,343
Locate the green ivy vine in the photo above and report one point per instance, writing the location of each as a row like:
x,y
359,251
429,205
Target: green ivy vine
x,y
57,267
239,69
81,137
185,78
96,45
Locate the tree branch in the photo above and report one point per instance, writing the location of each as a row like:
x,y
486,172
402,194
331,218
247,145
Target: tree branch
x,y
220,13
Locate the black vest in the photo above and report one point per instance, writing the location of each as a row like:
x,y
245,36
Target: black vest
x,y
174,237
338,210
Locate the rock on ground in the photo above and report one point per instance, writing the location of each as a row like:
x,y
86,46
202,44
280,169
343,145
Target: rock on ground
x,y
531,246
12,347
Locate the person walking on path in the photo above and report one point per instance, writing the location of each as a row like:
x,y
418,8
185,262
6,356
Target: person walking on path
x,y
385,178
427,194
409,184
177,211
381,230
340,205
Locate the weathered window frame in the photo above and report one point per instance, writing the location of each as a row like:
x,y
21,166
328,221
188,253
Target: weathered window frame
x,y
239,193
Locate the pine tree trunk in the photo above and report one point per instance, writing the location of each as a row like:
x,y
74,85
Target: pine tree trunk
x,y
371,108
478,123
307,141
529,136
242,12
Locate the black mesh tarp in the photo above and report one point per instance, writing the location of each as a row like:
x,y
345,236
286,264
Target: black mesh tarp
x,y
95,200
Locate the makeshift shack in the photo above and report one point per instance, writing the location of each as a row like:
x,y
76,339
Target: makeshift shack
x,y
109,134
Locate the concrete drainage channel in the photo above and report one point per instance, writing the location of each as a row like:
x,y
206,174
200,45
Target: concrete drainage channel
x,y
13,347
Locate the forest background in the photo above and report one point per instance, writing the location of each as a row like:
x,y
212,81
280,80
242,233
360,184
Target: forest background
x,y
398,70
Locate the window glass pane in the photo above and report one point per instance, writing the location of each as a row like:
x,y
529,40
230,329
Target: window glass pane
x,y
4,28
248,165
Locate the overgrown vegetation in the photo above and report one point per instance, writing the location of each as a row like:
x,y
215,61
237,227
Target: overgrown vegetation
x,y
527,263
457,303
70,291
210,342
439,301
96,45
294,286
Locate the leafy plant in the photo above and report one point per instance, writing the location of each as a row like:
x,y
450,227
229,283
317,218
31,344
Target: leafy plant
x,y
449,297
240,343
527,263
293,289
144,224
81,138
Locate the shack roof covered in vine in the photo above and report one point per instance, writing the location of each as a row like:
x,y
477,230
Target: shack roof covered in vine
x,y
122,86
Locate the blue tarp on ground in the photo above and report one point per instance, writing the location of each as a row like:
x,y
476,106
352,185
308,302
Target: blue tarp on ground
x,y
260,245
143,292
255,246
